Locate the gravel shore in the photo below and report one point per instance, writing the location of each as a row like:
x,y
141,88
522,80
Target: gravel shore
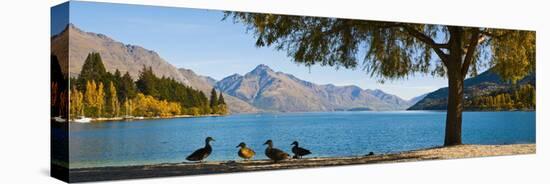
x,y
187,168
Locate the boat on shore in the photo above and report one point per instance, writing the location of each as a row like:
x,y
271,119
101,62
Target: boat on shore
x,y
82,119
59,119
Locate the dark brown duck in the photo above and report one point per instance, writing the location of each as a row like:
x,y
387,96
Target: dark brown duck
x,y
274,153
298,151
202,153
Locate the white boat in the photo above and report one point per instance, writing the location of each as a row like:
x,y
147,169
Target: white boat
x,y
59,119
82,119
128,117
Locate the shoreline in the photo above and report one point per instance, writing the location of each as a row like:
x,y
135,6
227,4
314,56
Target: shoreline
x,y
217,167
478,110
98,120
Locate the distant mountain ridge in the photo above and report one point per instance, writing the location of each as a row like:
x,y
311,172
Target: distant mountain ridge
x,y
260,90
206,84
127,58
485,83
277,91
115,55
416,99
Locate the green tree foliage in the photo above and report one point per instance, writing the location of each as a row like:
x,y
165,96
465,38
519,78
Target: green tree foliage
x,y
148,96
213,100
147,82
520,98
203,103
222,106
393,50
171,90
217,103
126,87
221,100
93,69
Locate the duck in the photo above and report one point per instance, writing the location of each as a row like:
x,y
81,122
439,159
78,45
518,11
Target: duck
x,y
201,153
245,152
274,153
298,151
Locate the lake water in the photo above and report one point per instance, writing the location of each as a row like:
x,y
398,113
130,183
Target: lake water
x,y
327,134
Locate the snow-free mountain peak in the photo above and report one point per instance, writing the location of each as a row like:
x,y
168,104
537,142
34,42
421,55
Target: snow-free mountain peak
x,y
282,92
261,89
127,58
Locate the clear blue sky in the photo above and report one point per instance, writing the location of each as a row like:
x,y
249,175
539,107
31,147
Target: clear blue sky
x,y
201,41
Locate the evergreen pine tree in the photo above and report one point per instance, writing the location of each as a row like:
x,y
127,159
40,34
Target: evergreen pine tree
x,y
213,98
147,82
127,87
222,106
93,69
221,100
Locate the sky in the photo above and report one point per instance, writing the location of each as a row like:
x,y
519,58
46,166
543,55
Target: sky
x,y
199,40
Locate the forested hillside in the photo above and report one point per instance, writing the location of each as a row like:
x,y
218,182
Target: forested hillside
x,y
489,92
98,93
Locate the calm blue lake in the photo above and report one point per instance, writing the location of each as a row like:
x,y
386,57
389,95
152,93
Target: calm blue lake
x,y
326,134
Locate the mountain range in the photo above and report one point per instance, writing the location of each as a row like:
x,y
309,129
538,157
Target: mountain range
x,y
260,90
277,91
127,58
485,83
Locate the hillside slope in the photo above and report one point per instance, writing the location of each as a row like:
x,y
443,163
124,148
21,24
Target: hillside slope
x,y
278,91
486,83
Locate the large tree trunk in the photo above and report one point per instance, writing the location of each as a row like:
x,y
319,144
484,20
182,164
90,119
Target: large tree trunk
x,y
453,127
454,64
